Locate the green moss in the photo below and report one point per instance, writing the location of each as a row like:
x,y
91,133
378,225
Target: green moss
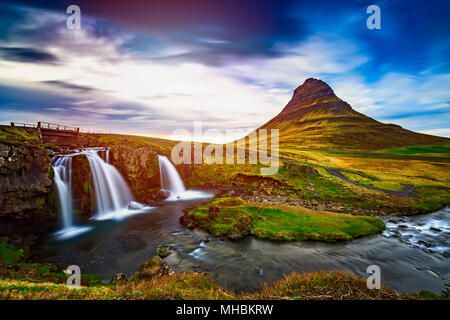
x,y
227,217
10,254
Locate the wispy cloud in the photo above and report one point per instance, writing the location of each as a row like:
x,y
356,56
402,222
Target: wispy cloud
x,y
125,76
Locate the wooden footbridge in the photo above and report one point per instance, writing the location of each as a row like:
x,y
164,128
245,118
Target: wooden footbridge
x,y
56,133
48,127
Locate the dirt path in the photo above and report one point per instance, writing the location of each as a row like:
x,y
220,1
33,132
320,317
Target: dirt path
x,y
407,191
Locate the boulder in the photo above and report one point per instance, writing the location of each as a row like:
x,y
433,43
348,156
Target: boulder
x,y
153,268
162,195
133,205
164,251
190,221
119,278
241,227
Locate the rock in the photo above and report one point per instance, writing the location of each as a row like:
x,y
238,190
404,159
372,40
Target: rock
x,y
424,243
392,221
259,272
133,205
119,278
435,229
241,227
213,212
402,226
153,268
190,221
162,195
164,251
152,203
67,272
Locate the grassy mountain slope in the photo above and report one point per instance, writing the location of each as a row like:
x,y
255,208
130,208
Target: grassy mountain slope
x,y
316,118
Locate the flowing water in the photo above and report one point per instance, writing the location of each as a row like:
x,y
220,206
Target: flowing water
x,y
413,253
62,168
112,194
113,198
171,181
112,247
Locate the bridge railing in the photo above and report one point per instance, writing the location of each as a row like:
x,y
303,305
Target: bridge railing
x,y
55,126
22,124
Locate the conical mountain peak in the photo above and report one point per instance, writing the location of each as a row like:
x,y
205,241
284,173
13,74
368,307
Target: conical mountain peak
x,y
311,89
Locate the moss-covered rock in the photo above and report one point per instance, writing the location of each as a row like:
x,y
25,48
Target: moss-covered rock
x,y
235,219
153,268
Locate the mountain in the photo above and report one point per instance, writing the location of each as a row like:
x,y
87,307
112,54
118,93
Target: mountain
x,y
316,118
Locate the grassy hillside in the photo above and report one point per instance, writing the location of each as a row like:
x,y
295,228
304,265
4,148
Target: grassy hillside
x,y
316,118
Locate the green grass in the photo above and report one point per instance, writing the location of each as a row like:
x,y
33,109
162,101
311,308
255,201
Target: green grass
x,y
441,149
17,135
235,219
193,286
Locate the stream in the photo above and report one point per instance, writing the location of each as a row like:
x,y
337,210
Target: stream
x,y
413,253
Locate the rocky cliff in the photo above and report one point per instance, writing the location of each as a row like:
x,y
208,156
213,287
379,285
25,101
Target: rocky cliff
x,y
26,188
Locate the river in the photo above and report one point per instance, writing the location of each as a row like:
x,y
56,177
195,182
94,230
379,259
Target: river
x,y
412,257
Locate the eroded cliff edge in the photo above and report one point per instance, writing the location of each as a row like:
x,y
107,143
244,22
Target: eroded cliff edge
x,y
26,188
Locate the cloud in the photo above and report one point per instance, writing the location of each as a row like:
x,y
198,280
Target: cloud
x,y
27,55
145,76
68,85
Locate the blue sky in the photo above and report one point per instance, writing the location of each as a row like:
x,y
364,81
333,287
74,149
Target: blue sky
x,y
151,67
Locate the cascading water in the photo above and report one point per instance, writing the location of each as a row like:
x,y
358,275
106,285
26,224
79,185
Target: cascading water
x,y
171,181
62,168
113,198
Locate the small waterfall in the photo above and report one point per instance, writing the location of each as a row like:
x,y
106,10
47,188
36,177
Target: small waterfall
x,y
113,199
111,191
171,181
62,168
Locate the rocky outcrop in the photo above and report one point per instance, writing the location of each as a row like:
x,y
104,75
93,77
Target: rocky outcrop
x,y
153,268
139,167
25,182
82,187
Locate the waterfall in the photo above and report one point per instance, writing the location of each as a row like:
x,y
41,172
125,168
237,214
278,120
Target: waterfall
x,y
171,181
113,199
62,168
111,191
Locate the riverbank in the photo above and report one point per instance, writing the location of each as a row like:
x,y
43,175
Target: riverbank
x,y
235,219
21,280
